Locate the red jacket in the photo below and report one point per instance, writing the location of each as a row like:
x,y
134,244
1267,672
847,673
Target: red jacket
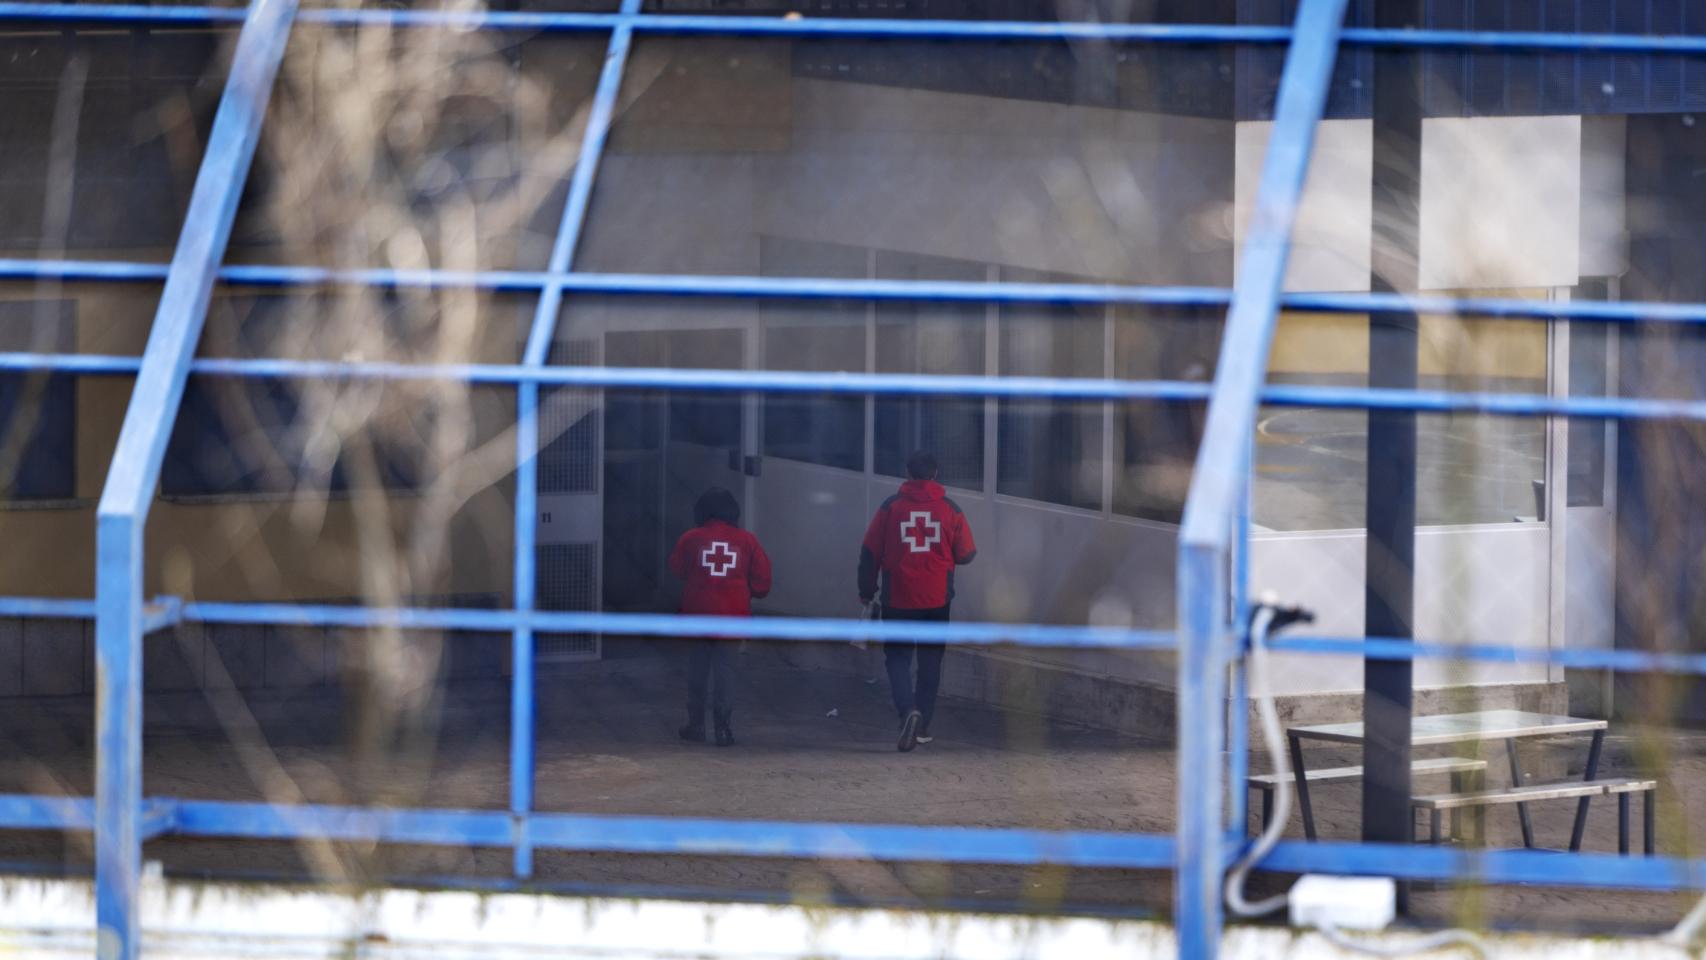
x,y
916,539
724,568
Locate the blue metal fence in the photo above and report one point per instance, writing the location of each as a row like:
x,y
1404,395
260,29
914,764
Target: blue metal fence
x,y
1213,543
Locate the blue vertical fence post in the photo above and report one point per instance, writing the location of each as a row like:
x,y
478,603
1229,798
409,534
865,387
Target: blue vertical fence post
x,y
123,512
1202,704
539,339
1220,481
1237,713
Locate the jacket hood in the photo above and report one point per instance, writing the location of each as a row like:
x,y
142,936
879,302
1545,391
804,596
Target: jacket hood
x,y
922,490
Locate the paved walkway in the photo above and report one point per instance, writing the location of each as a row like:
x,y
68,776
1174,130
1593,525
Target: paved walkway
x,y
607,744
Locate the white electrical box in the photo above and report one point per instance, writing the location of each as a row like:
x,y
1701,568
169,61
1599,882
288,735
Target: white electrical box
x,y
1345,903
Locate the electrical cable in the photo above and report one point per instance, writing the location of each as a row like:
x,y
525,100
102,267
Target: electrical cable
x,y
1267,618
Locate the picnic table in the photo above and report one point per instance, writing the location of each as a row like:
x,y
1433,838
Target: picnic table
x,y
1507,725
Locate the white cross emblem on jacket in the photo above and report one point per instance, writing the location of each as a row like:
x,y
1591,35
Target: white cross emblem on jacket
x,y
924,533
719,558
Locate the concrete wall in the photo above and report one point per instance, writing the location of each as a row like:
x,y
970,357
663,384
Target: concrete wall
x,y
1090,192
1473,584
1501,203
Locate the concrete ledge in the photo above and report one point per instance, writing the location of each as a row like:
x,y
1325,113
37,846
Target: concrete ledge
x,y
184,919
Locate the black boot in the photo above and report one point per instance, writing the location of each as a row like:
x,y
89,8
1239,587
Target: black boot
x,y
693,732
725,733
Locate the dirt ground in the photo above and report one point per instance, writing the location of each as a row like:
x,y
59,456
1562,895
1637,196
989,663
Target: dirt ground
x,y
607,744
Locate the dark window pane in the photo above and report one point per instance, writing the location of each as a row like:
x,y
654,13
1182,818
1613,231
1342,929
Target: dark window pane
x,y
38,434
931,338
705,419
102,133
949,427
1589,368
827,430
1051,449
1155,441
815,336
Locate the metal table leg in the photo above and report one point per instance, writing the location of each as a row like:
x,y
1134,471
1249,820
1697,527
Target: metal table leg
x,y
1647,830
1478,816
1457,786
1516,781
1300,774
1623,824
1582,805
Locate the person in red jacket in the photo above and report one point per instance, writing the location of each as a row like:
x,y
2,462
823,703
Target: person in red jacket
x,y
915,541
724,568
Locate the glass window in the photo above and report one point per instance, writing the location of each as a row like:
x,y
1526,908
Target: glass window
x,y
706,419
827,430
1155,441
1051,449
38,432
1312,466
932,338
1589,377
103,132
815,336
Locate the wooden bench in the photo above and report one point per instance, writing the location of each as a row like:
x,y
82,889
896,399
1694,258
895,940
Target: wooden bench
x,y
1268,782
1622,788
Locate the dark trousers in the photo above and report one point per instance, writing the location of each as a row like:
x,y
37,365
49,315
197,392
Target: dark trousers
x,y
711,663
898,656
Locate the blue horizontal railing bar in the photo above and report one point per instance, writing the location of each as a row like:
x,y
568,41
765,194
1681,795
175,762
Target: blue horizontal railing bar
x,y
1537,867
264,821
38,812
678,835
1536,40
34,812
1392,648
843,841
805,629
43,608
671,23
1628,311
648,378
135,14
636,284
813,629
773,381
827,288
1502,404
